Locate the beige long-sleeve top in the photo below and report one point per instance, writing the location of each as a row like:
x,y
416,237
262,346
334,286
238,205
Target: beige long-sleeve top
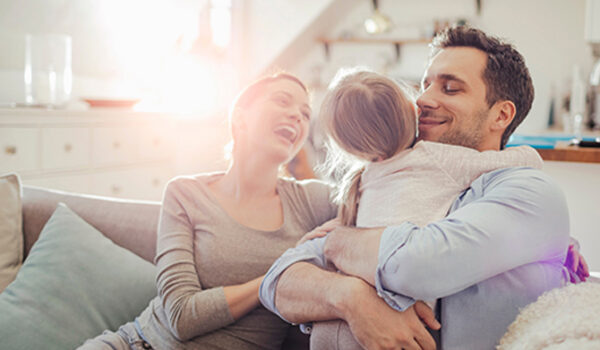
x,y
420,184
200,249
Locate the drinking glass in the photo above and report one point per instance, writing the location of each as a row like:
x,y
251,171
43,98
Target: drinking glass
x,y
48,75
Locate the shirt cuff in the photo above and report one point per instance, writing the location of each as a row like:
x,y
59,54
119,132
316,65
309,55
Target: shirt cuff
x,y
392,239
306,328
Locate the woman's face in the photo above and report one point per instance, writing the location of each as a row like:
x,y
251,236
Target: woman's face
x,y
276,124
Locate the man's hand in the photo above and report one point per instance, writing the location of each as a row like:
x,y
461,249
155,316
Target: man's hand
x,y
375,325
576,264
354,251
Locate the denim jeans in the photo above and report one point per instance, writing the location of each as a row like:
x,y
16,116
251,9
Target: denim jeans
x,y
126,337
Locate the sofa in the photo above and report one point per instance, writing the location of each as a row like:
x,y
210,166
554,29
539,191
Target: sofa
x,y
87,267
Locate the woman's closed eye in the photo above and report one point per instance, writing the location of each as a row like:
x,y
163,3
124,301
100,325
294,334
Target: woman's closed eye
x,y
281,100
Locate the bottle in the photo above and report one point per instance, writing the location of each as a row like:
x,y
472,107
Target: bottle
x,y
577,104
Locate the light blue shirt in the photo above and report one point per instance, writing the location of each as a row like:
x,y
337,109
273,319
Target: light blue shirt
x,y
502,245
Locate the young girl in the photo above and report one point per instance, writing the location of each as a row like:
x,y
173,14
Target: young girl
x,y
372,123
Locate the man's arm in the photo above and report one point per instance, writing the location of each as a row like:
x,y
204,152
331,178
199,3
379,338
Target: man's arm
x,y
306,292
507,218
299,291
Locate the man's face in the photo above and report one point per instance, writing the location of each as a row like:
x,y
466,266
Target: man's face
x,y
452,105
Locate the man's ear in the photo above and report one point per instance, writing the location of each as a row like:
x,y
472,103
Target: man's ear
x,y
504,113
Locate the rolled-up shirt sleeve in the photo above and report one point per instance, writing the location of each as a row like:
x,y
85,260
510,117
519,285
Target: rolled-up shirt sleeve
x,y
508,218
310,251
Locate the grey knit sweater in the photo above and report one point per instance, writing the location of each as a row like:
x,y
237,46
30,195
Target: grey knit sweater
x,y
200,249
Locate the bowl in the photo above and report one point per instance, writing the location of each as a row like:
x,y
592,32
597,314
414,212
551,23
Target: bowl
x,y
110,103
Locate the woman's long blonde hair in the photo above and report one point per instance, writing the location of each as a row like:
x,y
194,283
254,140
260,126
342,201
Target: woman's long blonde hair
x,y
369,117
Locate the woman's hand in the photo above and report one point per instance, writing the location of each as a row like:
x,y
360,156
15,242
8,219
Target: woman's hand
x,y
320,231
243,298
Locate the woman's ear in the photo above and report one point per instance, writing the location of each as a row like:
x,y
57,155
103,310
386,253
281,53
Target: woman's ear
x,y
504,113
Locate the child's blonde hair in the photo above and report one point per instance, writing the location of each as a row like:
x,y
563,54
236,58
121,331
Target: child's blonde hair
x,y
372,118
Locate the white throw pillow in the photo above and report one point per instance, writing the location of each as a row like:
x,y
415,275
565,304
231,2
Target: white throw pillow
x,y
11,232
563,318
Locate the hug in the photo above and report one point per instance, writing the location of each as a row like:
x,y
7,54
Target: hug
x,y
435,237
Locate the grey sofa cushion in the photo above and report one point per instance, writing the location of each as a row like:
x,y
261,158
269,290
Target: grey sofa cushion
x,y
75,284
129,224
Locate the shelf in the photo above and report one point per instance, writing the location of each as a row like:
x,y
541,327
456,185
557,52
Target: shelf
x,y
397,43
373,41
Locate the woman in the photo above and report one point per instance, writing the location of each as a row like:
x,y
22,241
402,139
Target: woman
x,y
219,233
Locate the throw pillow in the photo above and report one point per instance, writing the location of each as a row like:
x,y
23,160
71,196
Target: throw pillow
x,y
563,318
74,284
11,233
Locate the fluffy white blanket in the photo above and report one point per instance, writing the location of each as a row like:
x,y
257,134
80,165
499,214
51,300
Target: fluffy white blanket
x,y
563,318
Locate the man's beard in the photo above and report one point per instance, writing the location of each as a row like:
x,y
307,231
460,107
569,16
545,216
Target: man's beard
x,y
471,137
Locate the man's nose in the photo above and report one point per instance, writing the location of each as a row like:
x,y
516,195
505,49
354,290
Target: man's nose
x,y
427,100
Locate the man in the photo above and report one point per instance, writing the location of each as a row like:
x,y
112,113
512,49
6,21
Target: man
x,y
501,246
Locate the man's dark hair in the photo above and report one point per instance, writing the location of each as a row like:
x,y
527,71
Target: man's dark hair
x,y
506,76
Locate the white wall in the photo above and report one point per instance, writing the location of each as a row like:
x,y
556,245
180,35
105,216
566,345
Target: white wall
x,y
581,185
272,25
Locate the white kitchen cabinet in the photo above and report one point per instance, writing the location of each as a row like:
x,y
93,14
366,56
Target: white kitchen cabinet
x,y
113,145
19,149
107,152
64,148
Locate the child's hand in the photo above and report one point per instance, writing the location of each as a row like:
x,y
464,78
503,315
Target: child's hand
x,y
577,266
320,231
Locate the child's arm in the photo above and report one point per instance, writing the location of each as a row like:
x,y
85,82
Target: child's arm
x,y
464,164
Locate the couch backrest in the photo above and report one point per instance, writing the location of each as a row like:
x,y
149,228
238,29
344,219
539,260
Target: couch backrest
x,y
130,224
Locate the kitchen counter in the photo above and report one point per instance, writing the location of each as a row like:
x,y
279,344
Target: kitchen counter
x,y
556,147
564,153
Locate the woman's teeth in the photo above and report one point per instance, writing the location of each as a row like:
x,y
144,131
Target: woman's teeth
x,y
287,132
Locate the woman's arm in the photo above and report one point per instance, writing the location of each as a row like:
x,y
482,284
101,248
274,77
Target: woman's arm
x,y
242,298
192,310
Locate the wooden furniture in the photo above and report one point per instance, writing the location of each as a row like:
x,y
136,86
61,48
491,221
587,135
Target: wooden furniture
x,y
397,43
564,153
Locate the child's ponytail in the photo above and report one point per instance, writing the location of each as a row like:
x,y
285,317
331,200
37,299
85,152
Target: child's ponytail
x,y
351,195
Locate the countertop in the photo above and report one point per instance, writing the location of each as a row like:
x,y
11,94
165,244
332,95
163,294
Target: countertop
x,y
563,152
557,147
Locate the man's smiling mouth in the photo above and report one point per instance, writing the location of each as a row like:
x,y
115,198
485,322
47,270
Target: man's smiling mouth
x,y
425,122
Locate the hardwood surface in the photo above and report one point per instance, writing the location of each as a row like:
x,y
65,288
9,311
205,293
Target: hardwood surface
x,y
562,152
